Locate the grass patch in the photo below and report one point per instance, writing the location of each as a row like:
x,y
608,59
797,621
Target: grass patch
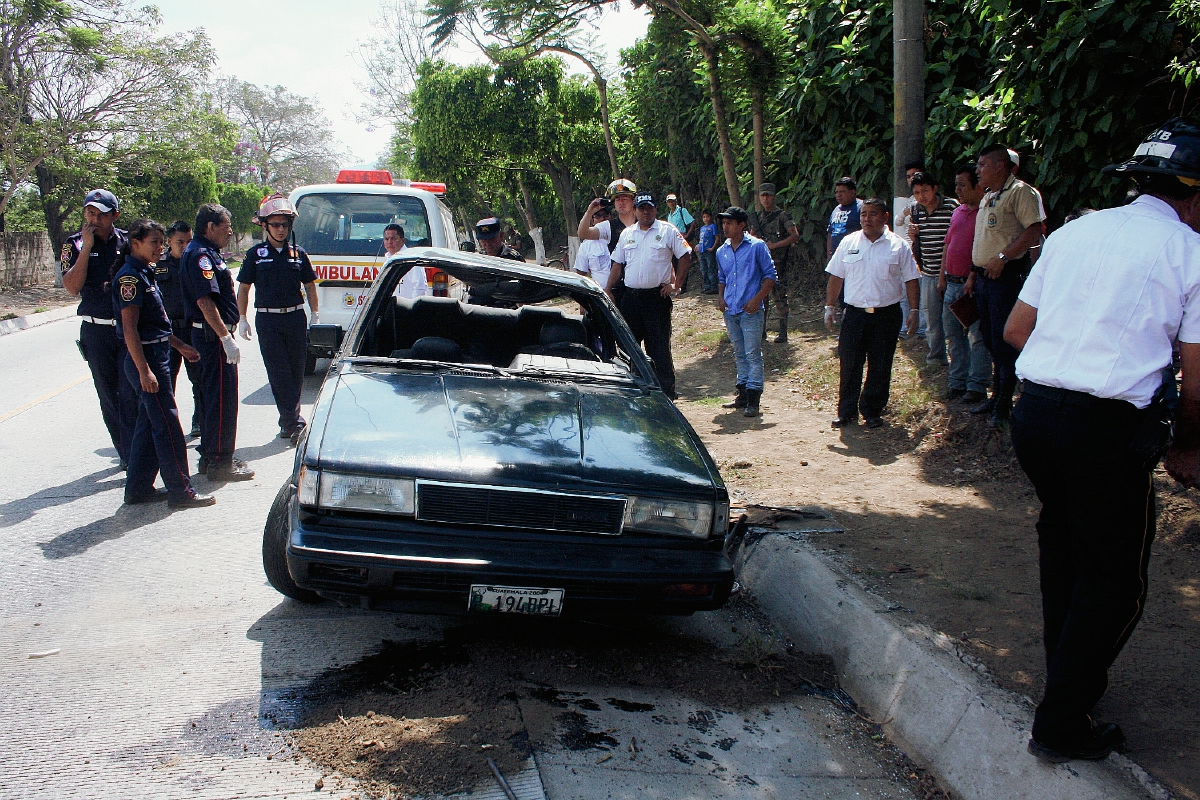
x,y
9,315
972,591
41,309
709,400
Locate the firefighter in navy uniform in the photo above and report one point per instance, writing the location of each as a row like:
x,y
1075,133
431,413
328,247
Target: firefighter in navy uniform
x,y
277,268
157,446
211,308
166,274
491,243
86,262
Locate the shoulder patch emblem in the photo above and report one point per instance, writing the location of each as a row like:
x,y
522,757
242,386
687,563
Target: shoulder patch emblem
x,y
205,264
263,252
65,255
207,273
128,284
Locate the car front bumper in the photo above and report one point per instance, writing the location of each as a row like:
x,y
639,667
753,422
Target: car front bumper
x,y
431,571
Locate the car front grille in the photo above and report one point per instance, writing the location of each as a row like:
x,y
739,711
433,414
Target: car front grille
x,y
465,504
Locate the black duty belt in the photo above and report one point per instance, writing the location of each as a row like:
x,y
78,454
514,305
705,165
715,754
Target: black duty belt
x,y
1071,397
956,278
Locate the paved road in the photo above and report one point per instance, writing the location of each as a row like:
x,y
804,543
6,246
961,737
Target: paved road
x,y
171,652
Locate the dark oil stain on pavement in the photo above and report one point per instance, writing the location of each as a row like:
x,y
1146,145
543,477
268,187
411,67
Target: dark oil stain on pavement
x,y
628,705
578,733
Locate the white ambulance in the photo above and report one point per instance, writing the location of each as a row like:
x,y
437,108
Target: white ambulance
x,y
341,226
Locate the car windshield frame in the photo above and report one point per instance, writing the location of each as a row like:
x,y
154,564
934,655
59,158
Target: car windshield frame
x,y
467,269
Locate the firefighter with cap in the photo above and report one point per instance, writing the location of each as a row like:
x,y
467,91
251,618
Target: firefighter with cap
x,y
1095,324
277,269
491,243
87,261
210,305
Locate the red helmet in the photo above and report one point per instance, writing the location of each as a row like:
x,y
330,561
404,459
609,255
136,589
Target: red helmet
x,y
274,205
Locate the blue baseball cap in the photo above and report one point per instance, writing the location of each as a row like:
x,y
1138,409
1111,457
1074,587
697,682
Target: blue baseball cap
x,y
102,199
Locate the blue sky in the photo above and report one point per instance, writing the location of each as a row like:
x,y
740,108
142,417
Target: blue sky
x,y
305,45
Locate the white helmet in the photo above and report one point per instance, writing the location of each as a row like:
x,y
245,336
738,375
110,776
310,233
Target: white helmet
x,y
274,205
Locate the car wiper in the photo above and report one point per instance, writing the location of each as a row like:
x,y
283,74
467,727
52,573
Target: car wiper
x,y
579,377
417,363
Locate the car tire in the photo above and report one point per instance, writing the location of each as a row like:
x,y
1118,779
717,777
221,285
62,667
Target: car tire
x,y
310,362
274,549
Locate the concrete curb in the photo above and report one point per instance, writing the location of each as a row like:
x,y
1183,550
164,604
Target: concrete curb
x,y
938,704
8,326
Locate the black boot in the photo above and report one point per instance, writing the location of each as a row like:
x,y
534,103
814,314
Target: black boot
x,y
781,337
752,398
740,400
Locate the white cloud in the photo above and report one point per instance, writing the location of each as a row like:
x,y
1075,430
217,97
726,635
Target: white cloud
x,y
306,46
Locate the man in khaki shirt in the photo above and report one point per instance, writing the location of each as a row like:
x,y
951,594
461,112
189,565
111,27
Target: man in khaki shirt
x,y
1009,223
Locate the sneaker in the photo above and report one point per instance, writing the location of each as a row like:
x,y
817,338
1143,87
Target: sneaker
x,y
156,496
232,470
1104,739
192,500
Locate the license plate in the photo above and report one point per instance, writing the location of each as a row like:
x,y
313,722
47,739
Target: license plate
x,y
516,600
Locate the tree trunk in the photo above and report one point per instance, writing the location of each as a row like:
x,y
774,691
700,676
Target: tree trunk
x,y
564,187
718,103
602,88
756,108
673,152
55,215
535,230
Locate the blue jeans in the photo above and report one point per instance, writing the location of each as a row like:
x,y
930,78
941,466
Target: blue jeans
x,y
970,362
745,334
931,318
708,268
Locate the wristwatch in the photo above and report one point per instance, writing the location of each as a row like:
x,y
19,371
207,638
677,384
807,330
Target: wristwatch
x,y
1001,256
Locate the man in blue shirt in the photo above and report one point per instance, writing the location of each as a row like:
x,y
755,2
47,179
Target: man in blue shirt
x,y
746,275
707,250
845,216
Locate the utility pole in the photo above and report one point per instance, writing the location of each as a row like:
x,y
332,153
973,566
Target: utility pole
x,y
908,43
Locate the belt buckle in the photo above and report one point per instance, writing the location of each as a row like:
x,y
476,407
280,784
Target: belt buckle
x,y
869,310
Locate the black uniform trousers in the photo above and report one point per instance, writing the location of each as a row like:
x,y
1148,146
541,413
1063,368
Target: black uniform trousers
x,y
158,445
870,339
648,315
995,299
183,331
219,395
283,341
1094,537
105,353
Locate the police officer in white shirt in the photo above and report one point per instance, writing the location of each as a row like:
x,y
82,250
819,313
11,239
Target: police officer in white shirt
x,y
877,269
1095,324
642,258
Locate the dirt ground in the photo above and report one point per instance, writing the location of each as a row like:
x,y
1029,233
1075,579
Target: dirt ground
x,y
939,519
420,719
33,299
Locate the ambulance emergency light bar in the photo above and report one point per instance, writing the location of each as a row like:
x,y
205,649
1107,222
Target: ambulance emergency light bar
x,y
384,178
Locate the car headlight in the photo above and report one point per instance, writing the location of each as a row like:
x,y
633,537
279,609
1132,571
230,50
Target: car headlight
x,y
671,517
359,492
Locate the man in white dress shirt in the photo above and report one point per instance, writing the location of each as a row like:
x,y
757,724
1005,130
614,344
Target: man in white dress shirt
x,y
414,283
1095,324
877,269
642,258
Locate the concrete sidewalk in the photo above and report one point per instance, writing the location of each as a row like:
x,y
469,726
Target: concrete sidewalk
x,y
936,702
33,320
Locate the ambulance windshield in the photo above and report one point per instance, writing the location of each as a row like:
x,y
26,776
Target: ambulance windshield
x,y
352,224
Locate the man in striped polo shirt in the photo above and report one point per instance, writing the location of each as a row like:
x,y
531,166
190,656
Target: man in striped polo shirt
x,y
930,220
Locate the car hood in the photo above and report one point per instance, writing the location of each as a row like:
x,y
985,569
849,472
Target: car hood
x,y
510,431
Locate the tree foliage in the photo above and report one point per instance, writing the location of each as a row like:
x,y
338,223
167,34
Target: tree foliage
x,y
242,200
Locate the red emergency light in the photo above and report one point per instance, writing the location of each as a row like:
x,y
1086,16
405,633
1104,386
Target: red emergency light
x,y
377,176
438,189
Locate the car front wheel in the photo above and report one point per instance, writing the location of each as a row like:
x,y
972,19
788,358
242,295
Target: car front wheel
x,y
274,549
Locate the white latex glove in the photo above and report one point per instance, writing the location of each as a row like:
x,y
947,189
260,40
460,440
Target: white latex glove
x,y
232,354
313,318
243,328
830,317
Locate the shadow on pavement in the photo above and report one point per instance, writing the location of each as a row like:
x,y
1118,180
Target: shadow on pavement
x,y
17,511
80,540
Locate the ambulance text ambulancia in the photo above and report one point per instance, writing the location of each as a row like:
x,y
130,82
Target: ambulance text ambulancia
x,y
341,226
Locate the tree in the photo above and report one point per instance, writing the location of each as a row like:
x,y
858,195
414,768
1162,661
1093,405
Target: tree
x,y
283,139
242,200
74,79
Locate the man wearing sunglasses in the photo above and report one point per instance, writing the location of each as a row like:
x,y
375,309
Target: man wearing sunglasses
x,y
277,268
